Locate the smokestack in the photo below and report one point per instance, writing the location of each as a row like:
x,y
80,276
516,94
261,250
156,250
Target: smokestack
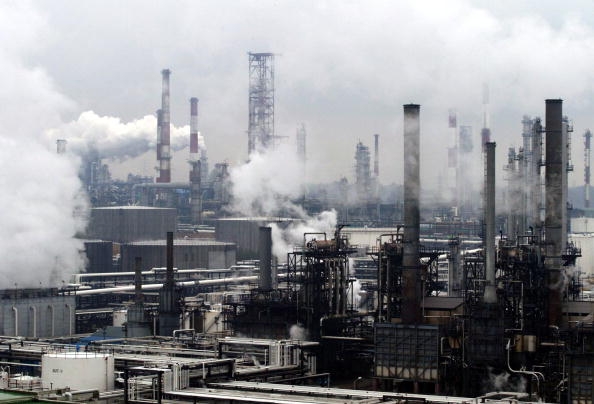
x,y
194,129
265,248
159,134
138,296
555,208
376,157
165,156
485,132
169,275
412,183
489,212
536,181
195,193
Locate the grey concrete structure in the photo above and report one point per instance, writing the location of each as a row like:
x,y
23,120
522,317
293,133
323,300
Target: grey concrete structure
x,y
245,232
193,253
124,224
99,256
36,313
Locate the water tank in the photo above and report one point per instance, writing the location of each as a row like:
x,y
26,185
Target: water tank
x,y
78,370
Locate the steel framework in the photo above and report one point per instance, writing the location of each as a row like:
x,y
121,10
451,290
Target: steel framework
x,y
261,102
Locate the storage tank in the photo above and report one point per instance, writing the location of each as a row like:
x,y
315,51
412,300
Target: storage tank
x,y
78,370
124,224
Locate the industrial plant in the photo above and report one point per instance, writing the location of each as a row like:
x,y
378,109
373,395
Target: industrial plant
x,y
460,297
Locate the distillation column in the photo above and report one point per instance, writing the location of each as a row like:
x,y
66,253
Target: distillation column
x,y
556,205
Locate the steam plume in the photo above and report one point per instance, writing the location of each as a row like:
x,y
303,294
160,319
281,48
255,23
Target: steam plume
x,y
41,207
268,185
115,139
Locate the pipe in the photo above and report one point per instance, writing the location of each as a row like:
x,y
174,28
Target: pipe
x,y
412,184
555,209
69,318
157,286
265,251
536,375
489,212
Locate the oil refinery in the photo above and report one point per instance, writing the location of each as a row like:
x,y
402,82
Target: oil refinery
x,y
347,293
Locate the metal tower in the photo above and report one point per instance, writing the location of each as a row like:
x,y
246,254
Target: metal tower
x,y
587,148
261,102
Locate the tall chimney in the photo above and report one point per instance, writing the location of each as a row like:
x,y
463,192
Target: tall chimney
x,y
159,135
265,251
194,129
411,312
555,208
138,296
489,212
195,192
165,156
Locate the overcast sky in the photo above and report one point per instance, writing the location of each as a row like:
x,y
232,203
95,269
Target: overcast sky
x,y
344,69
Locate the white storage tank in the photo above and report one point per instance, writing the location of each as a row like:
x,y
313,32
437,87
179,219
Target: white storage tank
x,y
78,370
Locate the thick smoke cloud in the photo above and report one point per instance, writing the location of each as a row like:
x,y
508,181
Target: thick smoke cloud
x,y
114,139
41,205
268,185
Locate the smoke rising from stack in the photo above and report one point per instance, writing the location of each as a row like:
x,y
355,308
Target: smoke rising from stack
x,y
42,206
115,139
267,186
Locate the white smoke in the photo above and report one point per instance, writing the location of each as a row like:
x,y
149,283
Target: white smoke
x,y
298,332
285,237
270,185
114,139
504,382
41,206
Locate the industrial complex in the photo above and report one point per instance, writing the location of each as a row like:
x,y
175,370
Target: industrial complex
x,y
404,297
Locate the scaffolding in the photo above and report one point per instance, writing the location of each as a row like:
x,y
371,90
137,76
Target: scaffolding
x,y
261,102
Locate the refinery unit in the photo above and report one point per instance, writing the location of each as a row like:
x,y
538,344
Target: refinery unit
x,y
399,302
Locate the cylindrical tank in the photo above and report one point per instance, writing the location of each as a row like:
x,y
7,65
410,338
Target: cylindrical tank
x,y
78,370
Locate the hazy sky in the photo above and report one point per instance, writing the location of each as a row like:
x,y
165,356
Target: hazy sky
x,y
344,69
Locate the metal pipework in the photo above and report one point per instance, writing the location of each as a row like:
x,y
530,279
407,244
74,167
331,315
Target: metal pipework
x,y
536,182
555,205
411,312
489,212
265,244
